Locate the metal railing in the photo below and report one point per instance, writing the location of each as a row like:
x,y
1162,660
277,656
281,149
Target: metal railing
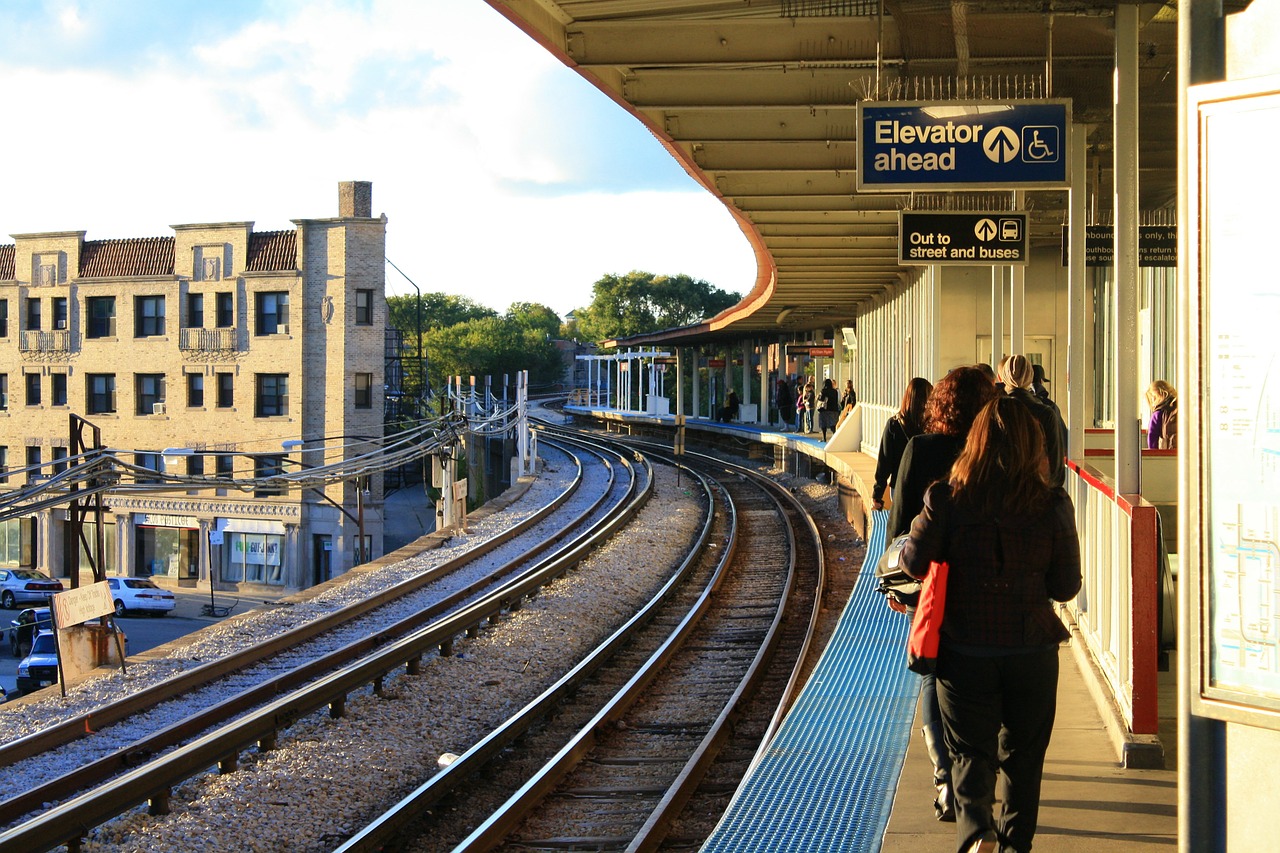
x,y
1117,609
52,340
207,340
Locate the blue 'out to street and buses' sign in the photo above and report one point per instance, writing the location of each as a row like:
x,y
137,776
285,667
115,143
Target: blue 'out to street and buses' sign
x,y
956,145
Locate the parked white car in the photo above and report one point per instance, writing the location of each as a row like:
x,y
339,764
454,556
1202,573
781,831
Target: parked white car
x,y
26,586
140,595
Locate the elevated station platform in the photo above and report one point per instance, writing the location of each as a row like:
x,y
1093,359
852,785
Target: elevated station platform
x,y
848,770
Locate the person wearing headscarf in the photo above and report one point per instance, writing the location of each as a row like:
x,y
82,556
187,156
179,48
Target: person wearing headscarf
x,y
1009,541
1017,375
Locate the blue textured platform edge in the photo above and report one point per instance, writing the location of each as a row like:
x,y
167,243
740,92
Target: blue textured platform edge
x,y
828,779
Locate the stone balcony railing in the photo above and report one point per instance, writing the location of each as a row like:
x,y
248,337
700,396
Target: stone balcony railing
x,y
53,340
207,340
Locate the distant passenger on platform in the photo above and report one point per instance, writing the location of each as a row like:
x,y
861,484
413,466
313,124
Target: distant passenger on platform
x,y
905,425
828,407
810,400
1009,539
786,405
1162,431
1038,381
848,398
953,404
1017,374
729,411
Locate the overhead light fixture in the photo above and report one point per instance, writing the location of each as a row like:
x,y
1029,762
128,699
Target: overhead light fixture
x,y
784,313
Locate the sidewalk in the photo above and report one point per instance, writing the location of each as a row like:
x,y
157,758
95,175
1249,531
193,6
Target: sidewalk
x,y
1089,802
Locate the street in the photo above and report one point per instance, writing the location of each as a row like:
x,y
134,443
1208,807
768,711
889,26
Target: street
x,y
143,631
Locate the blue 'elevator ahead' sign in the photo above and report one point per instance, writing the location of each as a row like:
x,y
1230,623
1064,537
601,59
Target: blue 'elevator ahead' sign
x,y
958,145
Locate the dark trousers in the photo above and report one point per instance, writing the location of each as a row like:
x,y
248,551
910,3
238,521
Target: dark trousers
x,y
998,715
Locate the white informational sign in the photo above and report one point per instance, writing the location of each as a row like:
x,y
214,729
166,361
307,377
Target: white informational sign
x,y
1240,405
80,605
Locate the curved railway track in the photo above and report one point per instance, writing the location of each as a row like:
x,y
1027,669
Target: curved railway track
x,y
728,633
406,639
659,737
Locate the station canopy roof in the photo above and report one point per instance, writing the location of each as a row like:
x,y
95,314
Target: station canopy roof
x,y
757,99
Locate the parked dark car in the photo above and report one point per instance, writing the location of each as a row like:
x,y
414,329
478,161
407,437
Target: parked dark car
x,y
40,668
24,586
22,631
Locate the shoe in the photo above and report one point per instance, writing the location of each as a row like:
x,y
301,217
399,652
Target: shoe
x,y
944,807
987,843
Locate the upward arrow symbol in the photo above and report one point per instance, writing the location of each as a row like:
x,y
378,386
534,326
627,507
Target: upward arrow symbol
x,y
985,229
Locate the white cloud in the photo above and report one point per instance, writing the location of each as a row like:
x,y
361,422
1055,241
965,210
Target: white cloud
x,y
443,105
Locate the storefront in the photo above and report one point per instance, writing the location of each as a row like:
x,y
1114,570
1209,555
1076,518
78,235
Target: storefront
x,y
166,546
252,551
17,543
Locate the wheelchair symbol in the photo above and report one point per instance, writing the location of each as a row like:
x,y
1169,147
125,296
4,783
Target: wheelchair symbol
x,y
1040,144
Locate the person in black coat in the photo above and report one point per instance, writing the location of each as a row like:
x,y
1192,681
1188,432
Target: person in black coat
x,y
785,402
828,407
730,409
1018,376
898,430
953,404
952,407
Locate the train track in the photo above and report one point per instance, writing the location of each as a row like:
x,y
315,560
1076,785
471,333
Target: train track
x,y
646,743
369,657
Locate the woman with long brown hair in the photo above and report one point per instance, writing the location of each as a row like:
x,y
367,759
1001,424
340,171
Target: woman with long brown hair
x,y
906,424
1009,539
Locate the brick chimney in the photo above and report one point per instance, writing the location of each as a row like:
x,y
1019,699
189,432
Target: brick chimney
x,y
355,199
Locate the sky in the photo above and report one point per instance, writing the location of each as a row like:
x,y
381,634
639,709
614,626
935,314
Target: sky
x,y
505,177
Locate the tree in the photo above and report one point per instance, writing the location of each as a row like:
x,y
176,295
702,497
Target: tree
x,y
641,302
534,315
438,310
492,346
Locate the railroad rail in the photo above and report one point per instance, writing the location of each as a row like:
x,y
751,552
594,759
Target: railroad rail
x,y
373,657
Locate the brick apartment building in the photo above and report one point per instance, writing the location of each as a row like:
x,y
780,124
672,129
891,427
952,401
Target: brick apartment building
x,y
224,346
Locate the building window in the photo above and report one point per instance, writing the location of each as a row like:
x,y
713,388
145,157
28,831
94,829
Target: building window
x,y
59,460
226,390
226,310
4,318
150,461
273,395
364,307
195,465
33,315
149,389
60,312
58,389
100,391
33,389
4,392
33,462
102,316
224,465
4,464
268,465
195,310
195,390
272,313
253,558
364,391
148,316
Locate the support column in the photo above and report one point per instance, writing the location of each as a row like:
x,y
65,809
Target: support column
x,y
746,372
1125,303
764,384
697,382
1017,294
997,316
1077,343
